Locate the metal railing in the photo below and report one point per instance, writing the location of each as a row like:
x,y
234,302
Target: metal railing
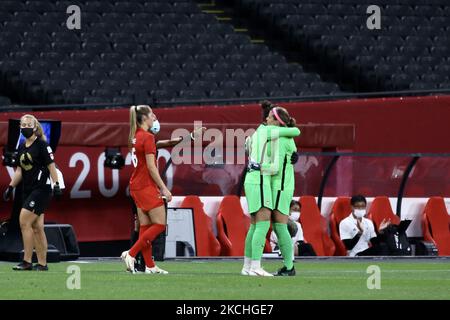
x,y
164,103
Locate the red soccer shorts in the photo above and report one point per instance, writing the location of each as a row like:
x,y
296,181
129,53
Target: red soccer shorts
x,y
148,198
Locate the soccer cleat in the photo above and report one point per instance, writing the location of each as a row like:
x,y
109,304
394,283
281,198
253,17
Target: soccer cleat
x,y
260,272
40,267
155,270
23,266
245,271
129,261
284,272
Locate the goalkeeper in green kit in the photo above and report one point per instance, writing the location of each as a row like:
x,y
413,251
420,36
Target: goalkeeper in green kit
x,y
266,147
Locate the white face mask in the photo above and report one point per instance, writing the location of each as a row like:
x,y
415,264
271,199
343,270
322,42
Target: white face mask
x,y
359,213
295,215
155,127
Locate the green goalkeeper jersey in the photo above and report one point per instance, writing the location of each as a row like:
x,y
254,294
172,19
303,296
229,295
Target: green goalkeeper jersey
x,y
266,154
284,178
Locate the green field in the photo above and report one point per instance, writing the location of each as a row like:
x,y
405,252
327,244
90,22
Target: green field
x,y
316,279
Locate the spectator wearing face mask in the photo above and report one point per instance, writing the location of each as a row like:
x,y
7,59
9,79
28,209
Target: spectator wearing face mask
x,y
300,247
358,232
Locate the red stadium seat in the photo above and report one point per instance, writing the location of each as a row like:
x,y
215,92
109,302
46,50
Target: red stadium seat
x,y
315,228
381,209
341,210
232,226
436,225
206,242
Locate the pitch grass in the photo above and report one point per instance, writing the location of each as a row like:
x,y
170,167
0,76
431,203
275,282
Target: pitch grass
x,y
221,280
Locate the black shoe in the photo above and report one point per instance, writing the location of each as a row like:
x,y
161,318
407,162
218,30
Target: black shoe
x,y
139,265
284,272
40,267
23,266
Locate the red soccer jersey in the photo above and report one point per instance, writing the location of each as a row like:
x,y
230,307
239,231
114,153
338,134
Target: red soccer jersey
x,y
143,144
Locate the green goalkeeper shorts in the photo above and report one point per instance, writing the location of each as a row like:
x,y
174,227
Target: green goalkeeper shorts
x,y
258,196
282,200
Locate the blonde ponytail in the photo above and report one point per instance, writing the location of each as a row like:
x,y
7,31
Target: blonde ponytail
x,y
133,126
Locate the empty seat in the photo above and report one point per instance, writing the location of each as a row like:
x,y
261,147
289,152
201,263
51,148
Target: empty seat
x,y
314,227
232,226
435,225
341,209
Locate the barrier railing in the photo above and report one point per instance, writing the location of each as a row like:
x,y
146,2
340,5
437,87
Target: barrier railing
x,y
162,103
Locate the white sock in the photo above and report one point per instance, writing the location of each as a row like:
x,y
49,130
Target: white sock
x,y
247,262
255,264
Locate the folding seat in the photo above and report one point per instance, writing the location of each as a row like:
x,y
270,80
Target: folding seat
x,y
180,38
163,95
92,74
128,7
282,93
236,39
98,6
341,9
222,94
183,76
26,17
212,76
95,99
157,7
252,93
114,85
127,48
341,209
112,57
272,76
419,86
232,226
16,27
176,58
435,225
233,85
202,18
63,75
134,27
55,85
315,228
271,59
93,36
144,17
74,95
195,67
83,84
205,240
311,9
219,28
209,38
440,51
412,50
124,100
42,65
256,67
162,28
190,28
244,76
81,57
174,18
263,86
93,48
202,85
12,6
381,210
189,49
192,95
172,85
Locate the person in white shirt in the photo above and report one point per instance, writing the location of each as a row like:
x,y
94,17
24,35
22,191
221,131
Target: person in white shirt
x,y
358,233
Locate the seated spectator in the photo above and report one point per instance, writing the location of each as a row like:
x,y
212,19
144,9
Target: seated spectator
x,y
358,233
301,248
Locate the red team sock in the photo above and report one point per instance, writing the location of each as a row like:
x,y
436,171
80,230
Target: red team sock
x,y
147,250
144,244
